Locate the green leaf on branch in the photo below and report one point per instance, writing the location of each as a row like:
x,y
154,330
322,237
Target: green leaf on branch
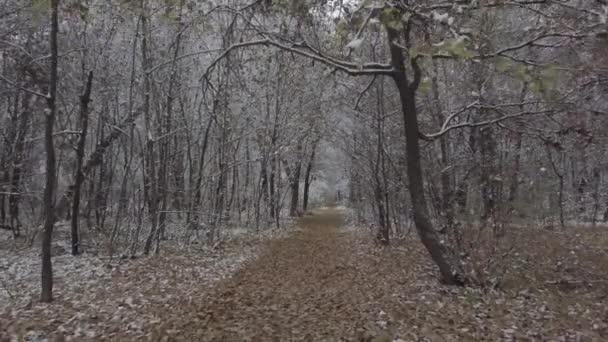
x,y
503,64
546,81
458,48
391,18
425,85
342,31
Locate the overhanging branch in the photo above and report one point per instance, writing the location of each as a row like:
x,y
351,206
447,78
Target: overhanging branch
x,y
447,129
350,68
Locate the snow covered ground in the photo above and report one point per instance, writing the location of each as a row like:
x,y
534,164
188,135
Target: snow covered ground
x,y
98,297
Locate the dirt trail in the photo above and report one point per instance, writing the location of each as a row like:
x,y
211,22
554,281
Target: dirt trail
x,y
325,283
308,286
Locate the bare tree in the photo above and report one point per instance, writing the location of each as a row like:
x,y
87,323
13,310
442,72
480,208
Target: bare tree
x,y
51,177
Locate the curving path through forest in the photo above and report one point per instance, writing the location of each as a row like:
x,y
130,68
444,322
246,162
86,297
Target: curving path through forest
x,y
328,283
310,286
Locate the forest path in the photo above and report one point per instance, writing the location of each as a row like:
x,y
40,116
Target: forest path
x,y
326,282
310,286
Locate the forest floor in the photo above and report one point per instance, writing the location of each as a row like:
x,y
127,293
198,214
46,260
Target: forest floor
x,y
327,282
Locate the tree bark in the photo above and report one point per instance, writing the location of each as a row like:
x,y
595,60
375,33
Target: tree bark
x,y
150,179
294,182
79,176
46,295
14,199
407,95
308,176
560,176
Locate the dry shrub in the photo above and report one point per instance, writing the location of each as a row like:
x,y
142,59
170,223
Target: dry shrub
x,y
483,252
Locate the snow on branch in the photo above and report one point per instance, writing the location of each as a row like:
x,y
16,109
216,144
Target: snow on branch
x,y
446,127
305,50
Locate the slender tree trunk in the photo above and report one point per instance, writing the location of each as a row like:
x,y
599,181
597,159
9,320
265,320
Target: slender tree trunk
x,y
407,95
380,172
294,182
150,180
382,233
49,189
271,185
123,202
96,159
278,199
101,193
560,176
446,201
14,200
245,203
198,197
514,186
596,195
308,176
79,176
488,172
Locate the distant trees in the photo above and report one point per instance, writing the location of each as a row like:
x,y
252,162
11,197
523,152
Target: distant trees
x,y
492,93
177,119
149,134
478,37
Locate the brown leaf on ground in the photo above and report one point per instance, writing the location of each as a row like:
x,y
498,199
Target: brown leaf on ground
x,y
327,283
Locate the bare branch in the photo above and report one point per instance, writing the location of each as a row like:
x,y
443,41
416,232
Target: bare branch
x,y
364,91
347,67
29,91
483,123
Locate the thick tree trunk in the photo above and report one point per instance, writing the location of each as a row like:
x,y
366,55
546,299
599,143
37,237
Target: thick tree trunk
x,y
407,95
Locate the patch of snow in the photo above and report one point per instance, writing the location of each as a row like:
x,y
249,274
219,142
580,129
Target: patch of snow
x,y
441,17
355,44
93,294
